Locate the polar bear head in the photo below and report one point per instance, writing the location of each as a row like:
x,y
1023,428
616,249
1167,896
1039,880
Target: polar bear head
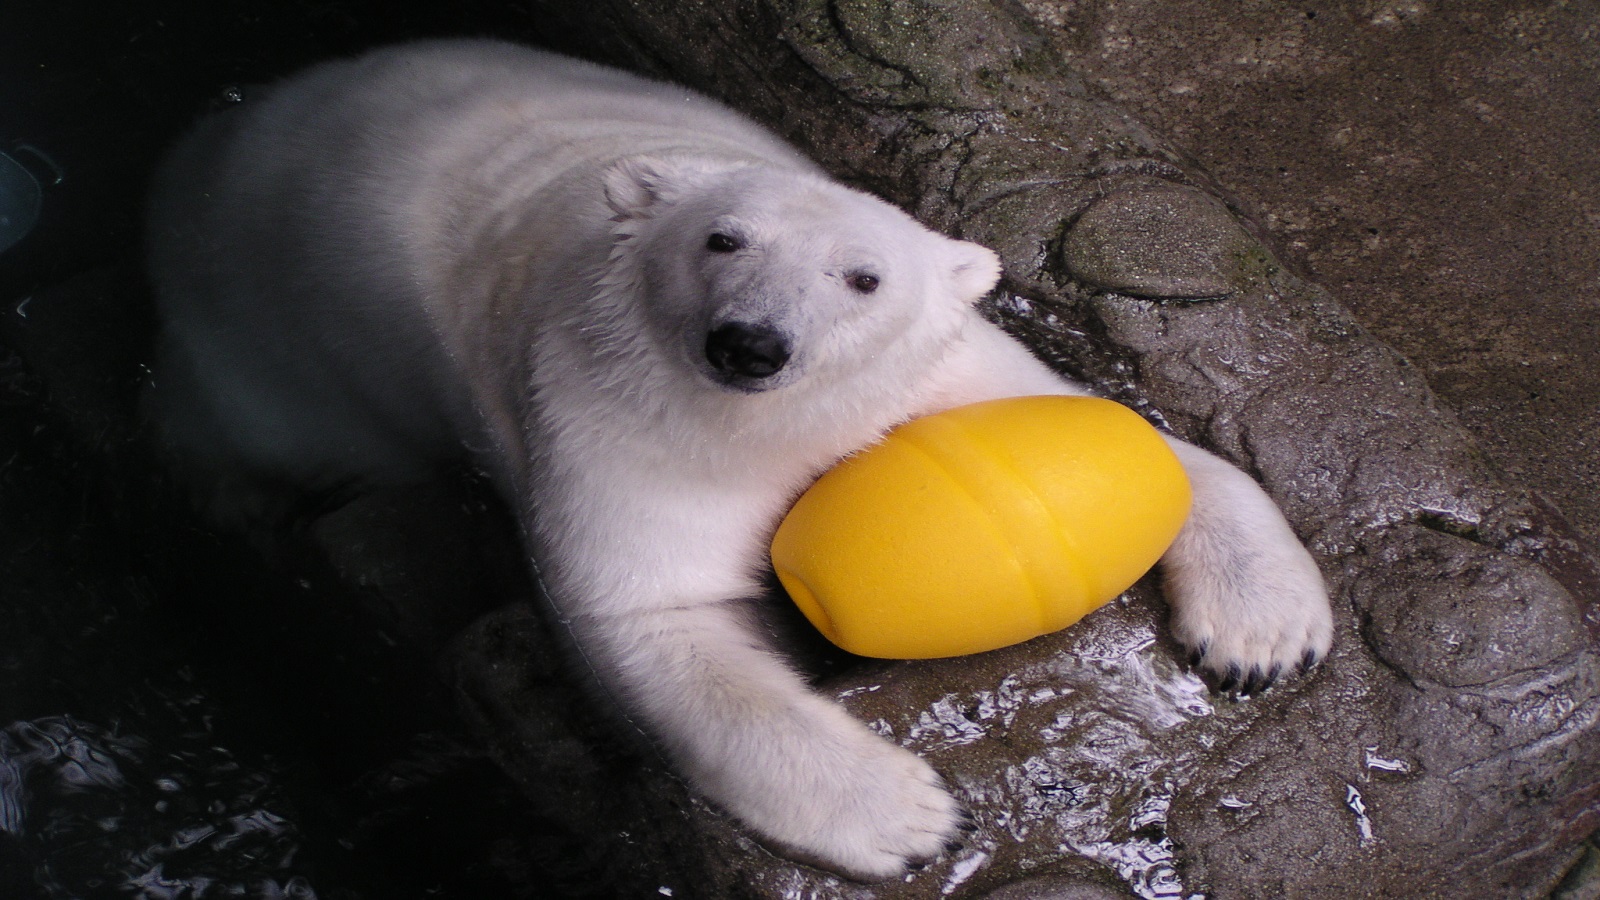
x,y
753,277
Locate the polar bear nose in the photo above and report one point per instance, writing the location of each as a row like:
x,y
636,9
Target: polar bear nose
x,y
753,351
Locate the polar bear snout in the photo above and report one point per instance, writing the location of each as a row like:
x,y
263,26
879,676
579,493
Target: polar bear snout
x,y
744,354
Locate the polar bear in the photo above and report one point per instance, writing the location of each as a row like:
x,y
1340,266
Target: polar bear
x,y
653,323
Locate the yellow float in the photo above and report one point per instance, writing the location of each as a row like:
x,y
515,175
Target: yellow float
x,y
981,527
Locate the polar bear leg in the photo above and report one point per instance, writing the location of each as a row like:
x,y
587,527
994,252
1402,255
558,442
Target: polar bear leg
x,y
755,740
1247,599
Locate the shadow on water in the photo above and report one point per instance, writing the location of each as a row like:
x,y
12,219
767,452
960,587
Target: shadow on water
x,y
180,718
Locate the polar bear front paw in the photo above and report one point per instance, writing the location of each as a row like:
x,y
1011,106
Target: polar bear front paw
x,y
837,795
875,822
1249,614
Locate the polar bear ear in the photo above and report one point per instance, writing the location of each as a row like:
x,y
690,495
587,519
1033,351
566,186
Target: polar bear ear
x,y
975,270
635,184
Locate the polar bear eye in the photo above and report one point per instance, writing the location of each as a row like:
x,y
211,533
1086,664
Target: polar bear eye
x,y
722,243
862,282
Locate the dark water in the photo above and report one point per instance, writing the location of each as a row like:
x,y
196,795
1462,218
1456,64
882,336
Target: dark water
x,y
170,729
178,717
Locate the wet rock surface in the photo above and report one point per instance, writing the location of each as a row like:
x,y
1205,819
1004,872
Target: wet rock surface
x,y
1447,748
1161,241
1437,166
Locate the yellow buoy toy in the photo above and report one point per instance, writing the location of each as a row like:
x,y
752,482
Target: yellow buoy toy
x,y
982,526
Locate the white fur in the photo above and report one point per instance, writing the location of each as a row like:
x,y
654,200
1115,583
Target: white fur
x,y
470,243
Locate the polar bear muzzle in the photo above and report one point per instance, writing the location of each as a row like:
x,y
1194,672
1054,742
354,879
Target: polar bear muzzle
x,y
744,353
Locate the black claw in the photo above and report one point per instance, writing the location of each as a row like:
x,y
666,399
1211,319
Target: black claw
x,y
1230,679
1252,683
1307,662
951,847
968,824
919,865
1195,656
